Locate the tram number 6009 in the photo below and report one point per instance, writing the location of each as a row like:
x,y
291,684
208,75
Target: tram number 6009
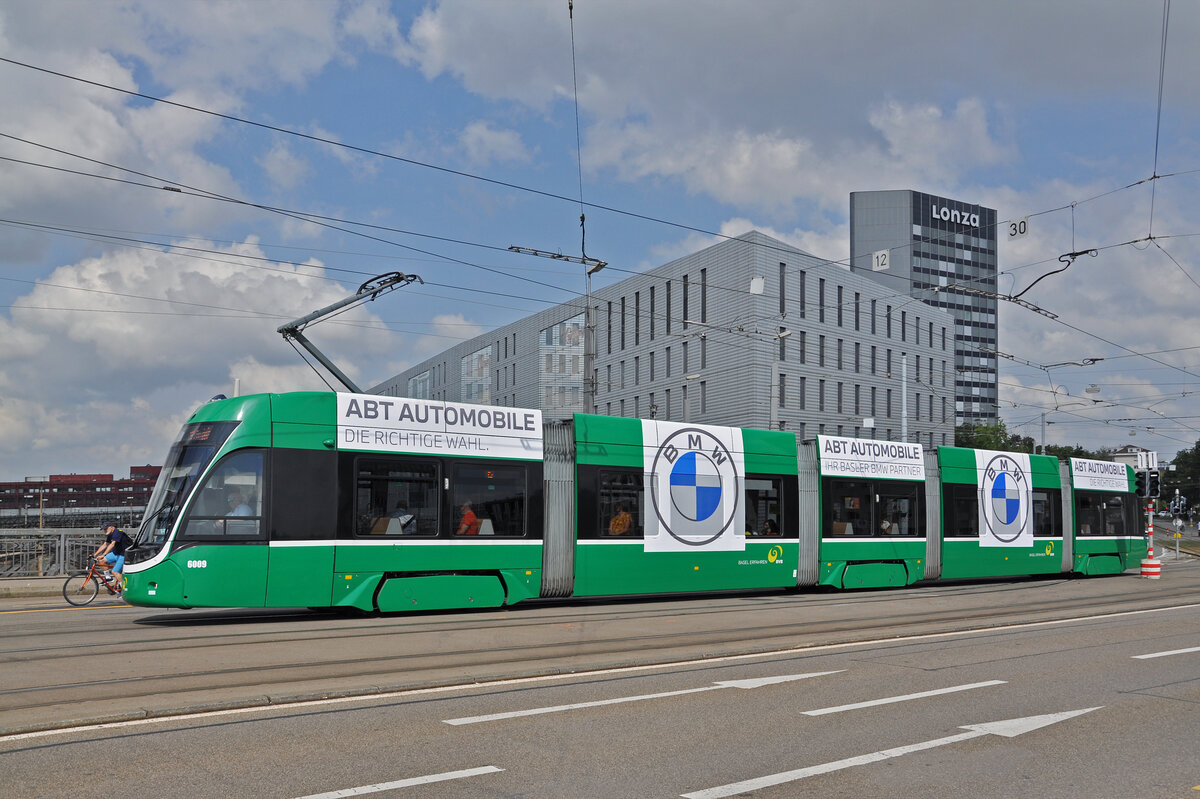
x,y
197,564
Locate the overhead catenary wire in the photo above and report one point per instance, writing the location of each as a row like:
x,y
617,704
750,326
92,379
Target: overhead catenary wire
x,y
1156,153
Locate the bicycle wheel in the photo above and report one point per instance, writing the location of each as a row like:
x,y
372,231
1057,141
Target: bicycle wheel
x,y
80,588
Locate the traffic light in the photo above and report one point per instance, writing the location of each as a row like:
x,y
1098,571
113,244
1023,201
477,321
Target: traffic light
x,y
1152,487
1139,482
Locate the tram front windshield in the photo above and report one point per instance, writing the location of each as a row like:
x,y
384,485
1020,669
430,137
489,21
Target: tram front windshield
x,y
191,453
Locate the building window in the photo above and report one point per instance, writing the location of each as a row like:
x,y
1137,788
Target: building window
x,y
703,395
803,345
821,396
872,359
622,323
821,351
839,398
857,358
782,390
668,306
857,311
703,299
637,369
783,289
821,299
651,370
803,392
637,318
686,368
652,316
889,321
839,354
782,344
610,327
840,299
888,409
903,325
685,306
803,281
667,365
703,352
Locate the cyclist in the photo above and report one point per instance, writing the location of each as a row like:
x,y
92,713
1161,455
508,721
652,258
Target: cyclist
x,y
113,550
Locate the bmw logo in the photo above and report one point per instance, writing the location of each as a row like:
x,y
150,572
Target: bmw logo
x,y
695,486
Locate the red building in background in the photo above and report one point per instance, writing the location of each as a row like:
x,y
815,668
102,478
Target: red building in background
x,y
77,500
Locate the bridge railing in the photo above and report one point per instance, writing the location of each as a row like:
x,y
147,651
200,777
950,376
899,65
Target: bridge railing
x,y
46,552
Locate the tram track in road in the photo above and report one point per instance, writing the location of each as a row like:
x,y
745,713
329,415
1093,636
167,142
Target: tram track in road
x,y
259,665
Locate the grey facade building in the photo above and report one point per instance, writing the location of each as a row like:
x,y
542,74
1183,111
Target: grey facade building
x,y
750,332
929,247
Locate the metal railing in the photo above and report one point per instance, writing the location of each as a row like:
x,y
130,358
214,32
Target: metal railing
x,y
45,552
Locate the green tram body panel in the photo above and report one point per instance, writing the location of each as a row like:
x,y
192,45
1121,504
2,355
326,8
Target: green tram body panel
x,y
1112,554
965,558
871,563
610,568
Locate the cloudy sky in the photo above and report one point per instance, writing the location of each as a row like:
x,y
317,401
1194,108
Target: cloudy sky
x,y
149,250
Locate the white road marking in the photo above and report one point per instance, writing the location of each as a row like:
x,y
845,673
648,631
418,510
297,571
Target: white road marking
x,y
408,783
537,711
1167,654
892,699
1007,729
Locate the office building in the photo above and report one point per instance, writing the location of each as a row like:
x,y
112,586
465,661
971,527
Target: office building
x,y
749,332
939,251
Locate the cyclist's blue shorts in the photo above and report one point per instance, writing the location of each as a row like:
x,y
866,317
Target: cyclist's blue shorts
x,y
116,561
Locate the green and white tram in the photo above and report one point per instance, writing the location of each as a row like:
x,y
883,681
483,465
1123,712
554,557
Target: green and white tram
x,y
393,504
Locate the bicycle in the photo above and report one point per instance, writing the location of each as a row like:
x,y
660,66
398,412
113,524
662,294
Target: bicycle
x,y
83,587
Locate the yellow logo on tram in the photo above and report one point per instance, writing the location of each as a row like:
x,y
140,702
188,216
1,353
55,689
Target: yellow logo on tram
x,y
775,554
1050,548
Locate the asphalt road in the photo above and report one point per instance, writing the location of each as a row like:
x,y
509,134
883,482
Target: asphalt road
x,y
707,697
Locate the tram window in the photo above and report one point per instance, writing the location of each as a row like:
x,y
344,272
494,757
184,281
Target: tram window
x,y
848,508
764,513
497,495
1047,507
1121,515
229,503
621,505
397,497
1105,514
1089,513
961,510
899,510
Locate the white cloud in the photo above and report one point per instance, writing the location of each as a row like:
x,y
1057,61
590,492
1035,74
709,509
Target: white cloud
x,y
485,144
166,332
284,168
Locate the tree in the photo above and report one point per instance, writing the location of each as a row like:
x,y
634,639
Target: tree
x,y
1185,477
991,436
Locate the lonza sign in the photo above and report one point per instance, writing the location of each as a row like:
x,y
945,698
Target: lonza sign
x,y
957,217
